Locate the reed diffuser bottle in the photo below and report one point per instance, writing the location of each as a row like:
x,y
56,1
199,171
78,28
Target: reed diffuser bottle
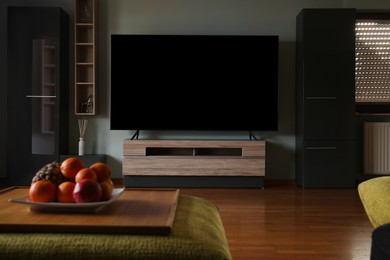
x,y
82,128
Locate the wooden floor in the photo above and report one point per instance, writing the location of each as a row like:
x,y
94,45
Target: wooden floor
x,y
284,221
288,222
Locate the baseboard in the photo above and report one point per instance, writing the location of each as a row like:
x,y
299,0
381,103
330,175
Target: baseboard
x,y
279,182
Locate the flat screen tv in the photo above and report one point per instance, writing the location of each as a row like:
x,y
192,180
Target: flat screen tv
x,y
194,82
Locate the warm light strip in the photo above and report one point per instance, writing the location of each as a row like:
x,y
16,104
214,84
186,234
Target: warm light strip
x,y
372,74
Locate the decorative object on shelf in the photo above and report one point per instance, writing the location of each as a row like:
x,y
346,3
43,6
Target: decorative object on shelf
x,y
82,128
85,15
87,105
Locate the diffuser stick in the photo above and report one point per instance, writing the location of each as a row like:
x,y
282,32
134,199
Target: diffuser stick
x,y
82,127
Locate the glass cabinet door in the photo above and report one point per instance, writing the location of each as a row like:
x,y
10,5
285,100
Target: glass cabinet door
x,y
43,97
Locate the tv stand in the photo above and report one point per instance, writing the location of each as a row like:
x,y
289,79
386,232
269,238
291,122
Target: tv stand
x,y
193,163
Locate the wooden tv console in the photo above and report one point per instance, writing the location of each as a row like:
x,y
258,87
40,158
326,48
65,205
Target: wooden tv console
x,y
235,159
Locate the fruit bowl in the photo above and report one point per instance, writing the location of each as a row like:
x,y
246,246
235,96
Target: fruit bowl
x,y
67,207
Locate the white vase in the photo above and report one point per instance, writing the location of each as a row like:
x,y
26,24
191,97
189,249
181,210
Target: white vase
x,y
81,146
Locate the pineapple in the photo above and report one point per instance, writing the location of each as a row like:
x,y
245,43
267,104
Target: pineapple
x,y
50,172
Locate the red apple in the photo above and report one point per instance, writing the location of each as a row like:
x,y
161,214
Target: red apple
x,y
87,190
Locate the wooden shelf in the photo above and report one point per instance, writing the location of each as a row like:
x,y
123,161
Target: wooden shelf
x,y
194,158
85,57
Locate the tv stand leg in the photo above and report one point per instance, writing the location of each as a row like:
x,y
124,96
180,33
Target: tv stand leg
x,y
252,136
136,135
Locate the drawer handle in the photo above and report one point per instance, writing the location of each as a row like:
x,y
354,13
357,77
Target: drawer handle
x,y
321,148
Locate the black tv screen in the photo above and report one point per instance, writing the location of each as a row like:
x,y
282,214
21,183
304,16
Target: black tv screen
x,y
194,82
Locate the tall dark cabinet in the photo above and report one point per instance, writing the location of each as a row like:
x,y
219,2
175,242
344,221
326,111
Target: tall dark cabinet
x,y
37,90
325,115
